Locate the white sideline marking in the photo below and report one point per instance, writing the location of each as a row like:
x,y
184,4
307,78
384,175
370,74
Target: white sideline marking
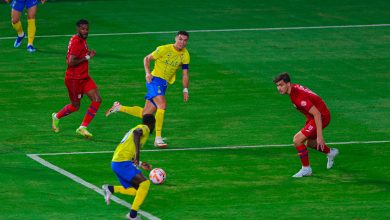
x,y
215,148
216,30
87,184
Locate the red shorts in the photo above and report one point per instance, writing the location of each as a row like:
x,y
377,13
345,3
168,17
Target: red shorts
x,y
78,87
310,129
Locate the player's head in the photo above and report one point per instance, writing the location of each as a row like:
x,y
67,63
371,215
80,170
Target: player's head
x,y
150,121
283,83
82,28
181,40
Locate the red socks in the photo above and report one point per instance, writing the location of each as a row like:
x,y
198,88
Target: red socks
x,y
68,109
91,112
303,155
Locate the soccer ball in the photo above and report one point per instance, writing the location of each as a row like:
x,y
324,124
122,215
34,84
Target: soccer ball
x,y
157,176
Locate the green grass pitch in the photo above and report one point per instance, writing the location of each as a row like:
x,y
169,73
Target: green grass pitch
x,y
233,102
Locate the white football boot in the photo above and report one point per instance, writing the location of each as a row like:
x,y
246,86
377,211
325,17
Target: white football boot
x,y
304,171
331,155
107,193
115,108
159,142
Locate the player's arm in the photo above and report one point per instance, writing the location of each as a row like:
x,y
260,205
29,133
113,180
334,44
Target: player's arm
x,y
43,1
74,60
318,121
147,61
185,82
137,133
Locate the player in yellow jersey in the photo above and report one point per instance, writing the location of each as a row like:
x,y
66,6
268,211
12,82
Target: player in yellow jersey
x,y
125,163
17,9
167,60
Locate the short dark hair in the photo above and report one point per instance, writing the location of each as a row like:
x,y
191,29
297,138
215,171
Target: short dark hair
x,y
81,21
185,33
150,121
282,76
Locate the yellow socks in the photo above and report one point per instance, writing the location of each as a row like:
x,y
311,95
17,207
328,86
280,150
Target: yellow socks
x,y
31,31
142,192
159,121
133,110
129,191
18,28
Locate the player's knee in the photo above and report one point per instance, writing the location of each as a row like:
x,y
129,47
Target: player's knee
x,y
297,140
162,106
97,99
145,185
15,20
76,106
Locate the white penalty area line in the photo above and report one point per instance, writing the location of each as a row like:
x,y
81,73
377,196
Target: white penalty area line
x,y
88,185
215,30
214,148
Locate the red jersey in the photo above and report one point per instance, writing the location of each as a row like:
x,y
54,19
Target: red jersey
x,y
77,47
303,99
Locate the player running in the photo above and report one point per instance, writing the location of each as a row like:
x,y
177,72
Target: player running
x,y
167,60
125,163
17,9
317,118
78,81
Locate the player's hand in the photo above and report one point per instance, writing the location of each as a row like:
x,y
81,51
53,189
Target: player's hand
x,y
91,53
43,1
186,96
320,143
146,166
148,77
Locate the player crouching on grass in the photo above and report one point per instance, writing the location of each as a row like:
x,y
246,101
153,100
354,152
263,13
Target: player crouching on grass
x,y
125,163
317,118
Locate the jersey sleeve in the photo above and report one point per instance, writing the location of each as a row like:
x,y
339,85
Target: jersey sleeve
x,y
186,61
159,52
75,48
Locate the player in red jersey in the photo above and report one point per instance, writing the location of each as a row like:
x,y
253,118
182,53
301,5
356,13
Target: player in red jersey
x,y
78,81
317,118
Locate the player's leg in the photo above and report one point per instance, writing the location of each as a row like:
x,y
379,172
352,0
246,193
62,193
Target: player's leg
x,y
131,178
160,102
156,97
131,110
31,28
16,12
91,90
299,143
75,96
142,185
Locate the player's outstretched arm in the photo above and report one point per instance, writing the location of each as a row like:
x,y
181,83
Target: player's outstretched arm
x,y
137,133
318,121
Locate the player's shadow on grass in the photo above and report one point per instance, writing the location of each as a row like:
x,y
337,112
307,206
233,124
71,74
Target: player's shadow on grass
x,y
355,177
51,51
93,139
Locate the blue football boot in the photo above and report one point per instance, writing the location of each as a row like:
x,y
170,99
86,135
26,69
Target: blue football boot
x,y
18,40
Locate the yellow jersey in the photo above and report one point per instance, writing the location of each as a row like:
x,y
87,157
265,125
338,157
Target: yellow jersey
x,y
125,151
167,62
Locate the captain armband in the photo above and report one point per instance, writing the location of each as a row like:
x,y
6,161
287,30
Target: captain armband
x,y
185,66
